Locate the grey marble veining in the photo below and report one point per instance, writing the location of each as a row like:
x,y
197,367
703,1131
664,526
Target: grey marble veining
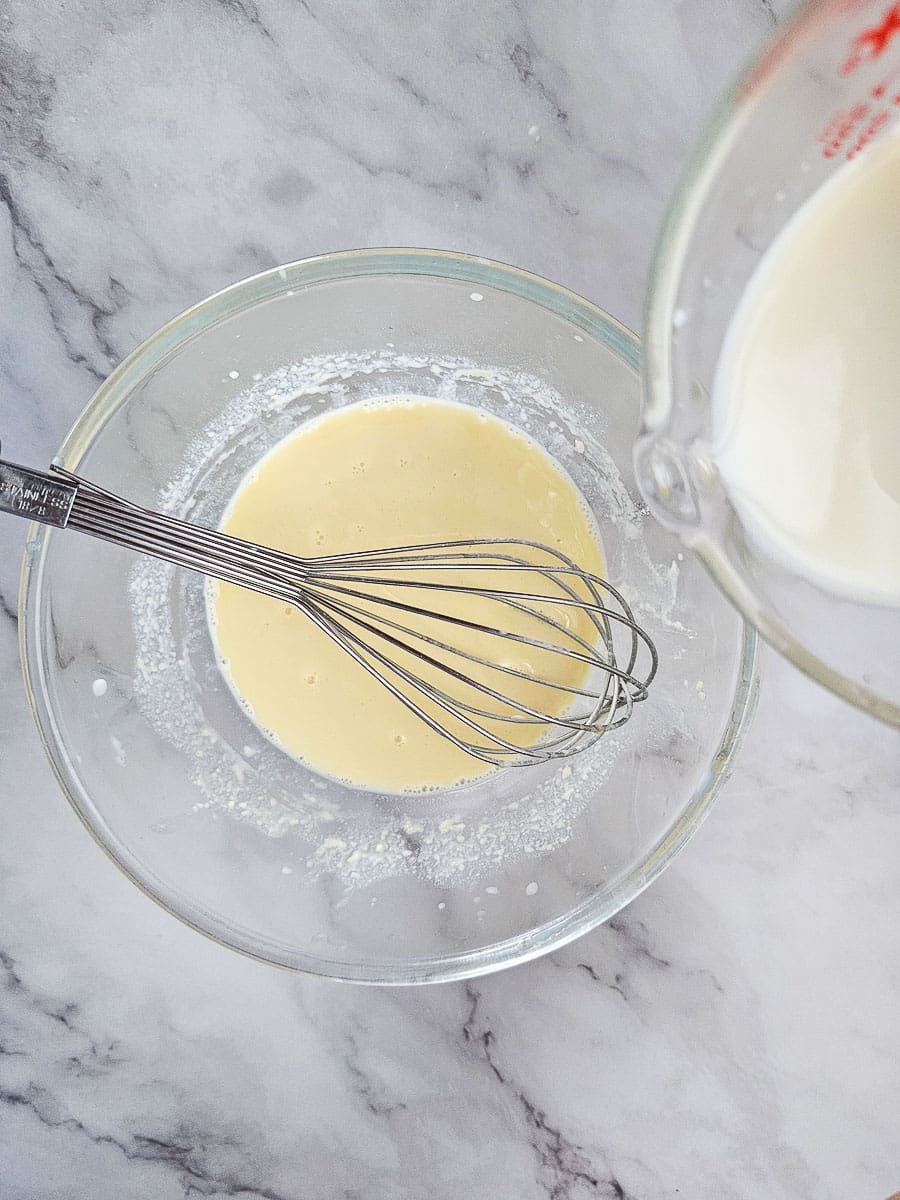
x,y
735,1032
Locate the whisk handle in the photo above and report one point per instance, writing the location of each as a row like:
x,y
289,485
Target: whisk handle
x,y
35,496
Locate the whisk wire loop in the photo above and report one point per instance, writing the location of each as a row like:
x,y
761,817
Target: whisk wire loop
x,y
377,607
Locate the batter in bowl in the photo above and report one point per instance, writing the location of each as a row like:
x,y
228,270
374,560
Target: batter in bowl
x,y
402,471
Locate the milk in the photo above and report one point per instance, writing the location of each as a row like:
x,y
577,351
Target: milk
x,y
806,401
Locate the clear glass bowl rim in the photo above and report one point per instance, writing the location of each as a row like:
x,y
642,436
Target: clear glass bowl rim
x,y
115,391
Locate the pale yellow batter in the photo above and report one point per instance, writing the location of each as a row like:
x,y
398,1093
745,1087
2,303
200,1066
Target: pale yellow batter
x,y
401,472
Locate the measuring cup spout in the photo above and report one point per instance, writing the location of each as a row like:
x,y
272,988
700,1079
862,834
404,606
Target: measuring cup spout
x,y
665,477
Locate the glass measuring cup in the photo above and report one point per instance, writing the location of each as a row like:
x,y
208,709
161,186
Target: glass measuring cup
x,y
823,88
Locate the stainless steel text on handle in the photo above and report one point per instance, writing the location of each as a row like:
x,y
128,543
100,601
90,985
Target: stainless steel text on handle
x,y
32,494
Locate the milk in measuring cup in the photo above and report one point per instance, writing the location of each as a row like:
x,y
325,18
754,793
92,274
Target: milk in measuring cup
x,y
806,404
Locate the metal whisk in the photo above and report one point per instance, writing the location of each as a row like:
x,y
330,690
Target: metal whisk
x,y
396,613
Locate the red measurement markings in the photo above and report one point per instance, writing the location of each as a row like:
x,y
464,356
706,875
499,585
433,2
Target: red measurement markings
x,y
881,118
849,131
841,127
872,43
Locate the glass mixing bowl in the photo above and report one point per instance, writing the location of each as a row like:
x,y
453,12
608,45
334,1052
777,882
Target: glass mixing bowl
x,y
247,844
826,85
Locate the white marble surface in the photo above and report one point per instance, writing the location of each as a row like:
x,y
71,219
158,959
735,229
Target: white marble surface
x,y
736,1032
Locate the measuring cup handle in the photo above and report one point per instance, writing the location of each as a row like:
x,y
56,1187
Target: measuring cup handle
x,y
35,496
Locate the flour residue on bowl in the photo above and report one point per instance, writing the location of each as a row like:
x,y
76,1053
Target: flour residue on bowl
x,y
447,839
